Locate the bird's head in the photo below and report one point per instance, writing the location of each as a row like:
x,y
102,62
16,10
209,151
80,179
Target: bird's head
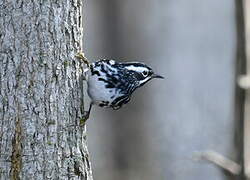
x,y
142,72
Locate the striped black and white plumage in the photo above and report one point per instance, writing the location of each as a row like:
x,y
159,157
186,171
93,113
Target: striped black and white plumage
x,y
111,84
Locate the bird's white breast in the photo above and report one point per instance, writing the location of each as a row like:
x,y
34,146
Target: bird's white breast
x,y
97,90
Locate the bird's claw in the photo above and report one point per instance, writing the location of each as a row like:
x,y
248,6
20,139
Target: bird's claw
x,y
81,56
84,118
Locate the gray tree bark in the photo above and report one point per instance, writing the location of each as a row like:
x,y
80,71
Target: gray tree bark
x,y
41,93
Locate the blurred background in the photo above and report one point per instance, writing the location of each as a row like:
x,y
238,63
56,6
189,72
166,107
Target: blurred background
x,y
195,45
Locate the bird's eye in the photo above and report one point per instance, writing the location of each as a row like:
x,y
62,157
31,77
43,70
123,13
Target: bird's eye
x,y
145,73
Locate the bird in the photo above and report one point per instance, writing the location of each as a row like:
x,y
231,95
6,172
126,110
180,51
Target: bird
x,y
111,83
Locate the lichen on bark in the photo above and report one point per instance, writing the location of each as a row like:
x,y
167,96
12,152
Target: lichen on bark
x,y
16,157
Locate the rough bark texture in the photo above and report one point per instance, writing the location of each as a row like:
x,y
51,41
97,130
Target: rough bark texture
x,y
41,94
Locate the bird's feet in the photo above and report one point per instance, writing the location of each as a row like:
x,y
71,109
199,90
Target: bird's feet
x,y
81,56
84,118
85,115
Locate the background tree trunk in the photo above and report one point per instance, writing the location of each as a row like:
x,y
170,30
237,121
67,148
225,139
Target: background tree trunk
x,y
41,95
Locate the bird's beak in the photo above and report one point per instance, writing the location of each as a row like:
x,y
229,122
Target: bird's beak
x,y
157,76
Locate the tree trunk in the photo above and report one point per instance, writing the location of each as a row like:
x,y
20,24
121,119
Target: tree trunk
x,y
41,93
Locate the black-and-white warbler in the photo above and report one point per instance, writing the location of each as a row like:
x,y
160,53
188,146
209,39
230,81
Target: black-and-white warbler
x,y
111,84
